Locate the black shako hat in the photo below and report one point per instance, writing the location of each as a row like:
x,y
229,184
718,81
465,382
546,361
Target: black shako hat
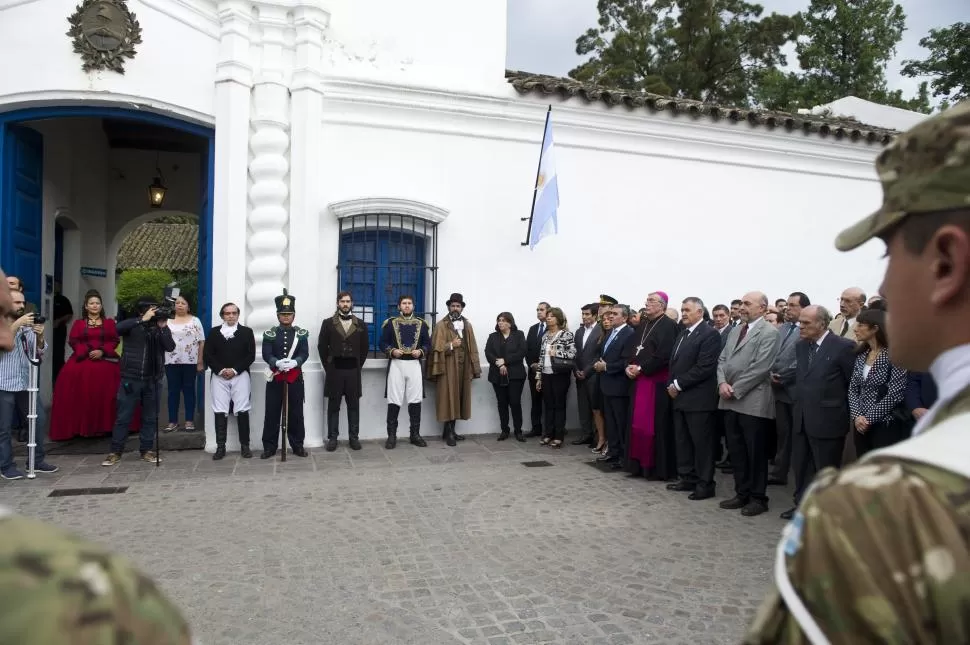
x,y
285,304
455,297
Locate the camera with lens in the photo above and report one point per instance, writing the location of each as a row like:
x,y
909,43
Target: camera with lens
x,y
166,310
39,320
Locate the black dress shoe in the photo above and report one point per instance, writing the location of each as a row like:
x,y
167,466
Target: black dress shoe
x,y
267,454
354,443
300,452
503,436
607,459
700,494
681,486
331,445
535,433
754,507
245,452
774,481
787,515
734,503
519,436
583,441
459,437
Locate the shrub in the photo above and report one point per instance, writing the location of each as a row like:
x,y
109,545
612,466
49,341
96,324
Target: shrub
x,y
135,283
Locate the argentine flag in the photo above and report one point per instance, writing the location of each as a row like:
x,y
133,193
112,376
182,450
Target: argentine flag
x,y
546,204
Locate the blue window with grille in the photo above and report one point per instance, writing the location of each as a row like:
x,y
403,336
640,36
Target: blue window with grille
x,y
379,261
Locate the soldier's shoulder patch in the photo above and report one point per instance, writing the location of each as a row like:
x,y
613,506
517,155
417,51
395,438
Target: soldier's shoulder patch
x,y
269,333
302,332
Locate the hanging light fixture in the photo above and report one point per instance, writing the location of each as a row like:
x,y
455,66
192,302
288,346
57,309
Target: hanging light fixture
x,y
157,189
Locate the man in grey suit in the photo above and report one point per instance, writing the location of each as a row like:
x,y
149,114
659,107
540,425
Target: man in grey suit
x,y
744,387
586,338
782,381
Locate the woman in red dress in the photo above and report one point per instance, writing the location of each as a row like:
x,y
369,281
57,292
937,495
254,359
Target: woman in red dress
x,y
87,387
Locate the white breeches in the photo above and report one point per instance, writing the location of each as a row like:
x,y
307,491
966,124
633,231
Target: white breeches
x,y
237,390
404,382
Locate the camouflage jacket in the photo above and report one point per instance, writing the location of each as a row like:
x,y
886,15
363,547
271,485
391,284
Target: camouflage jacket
x,y
878,553
58,589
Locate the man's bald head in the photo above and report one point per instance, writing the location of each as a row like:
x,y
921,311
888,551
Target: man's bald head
x,y
755,305
852,301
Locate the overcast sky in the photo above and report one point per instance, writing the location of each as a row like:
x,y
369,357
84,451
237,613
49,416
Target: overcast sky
x,y
542,33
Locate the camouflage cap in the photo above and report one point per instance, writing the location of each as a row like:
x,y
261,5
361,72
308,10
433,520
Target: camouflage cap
x,y
925,169
58,589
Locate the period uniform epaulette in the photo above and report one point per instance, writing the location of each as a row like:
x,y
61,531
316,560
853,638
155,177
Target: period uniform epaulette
x,y
302,332
270,333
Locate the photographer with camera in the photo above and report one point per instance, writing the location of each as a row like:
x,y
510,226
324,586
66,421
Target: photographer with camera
x,y
146,339
28,337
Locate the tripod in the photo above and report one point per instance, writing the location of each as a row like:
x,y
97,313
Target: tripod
x,y
33,386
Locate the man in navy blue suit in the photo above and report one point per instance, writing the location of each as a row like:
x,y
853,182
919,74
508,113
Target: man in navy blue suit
x,y
616,355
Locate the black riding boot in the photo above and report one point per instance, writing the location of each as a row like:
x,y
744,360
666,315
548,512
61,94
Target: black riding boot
x,y
222,423
353,422
414,414
392,413
242,420
450,433
333,426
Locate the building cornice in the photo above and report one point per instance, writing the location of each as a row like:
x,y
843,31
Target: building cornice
x,y
506,116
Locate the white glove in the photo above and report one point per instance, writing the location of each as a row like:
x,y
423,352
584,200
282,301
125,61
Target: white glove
x,y
286,364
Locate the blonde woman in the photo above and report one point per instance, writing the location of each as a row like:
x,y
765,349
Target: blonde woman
x,y
557,359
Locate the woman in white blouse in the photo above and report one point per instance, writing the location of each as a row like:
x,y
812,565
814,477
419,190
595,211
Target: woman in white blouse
x,y
183,365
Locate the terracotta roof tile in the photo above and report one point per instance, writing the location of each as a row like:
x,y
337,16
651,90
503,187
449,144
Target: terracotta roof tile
x,y
171,247
840,128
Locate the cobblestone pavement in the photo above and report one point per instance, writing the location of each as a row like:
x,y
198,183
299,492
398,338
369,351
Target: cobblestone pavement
x,y
423,546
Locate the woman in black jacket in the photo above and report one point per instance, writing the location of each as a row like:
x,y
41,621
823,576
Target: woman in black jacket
x,y
505,352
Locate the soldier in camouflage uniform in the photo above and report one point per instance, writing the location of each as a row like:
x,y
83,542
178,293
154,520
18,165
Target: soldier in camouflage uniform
x,y
878,553
57,589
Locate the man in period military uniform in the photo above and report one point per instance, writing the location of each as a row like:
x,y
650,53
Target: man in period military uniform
x,y
454,363
285,350
406,341
879,551
606,304
343,345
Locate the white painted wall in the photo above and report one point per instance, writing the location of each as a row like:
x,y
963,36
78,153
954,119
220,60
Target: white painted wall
x,y
173,70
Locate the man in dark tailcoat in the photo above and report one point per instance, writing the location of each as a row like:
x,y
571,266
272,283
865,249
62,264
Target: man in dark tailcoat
x,y
343,345
286,348
406,340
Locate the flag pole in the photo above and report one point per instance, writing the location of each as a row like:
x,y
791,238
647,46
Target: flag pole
x,y
535,191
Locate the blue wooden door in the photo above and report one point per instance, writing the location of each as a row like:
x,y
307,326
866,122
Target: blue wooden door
x,y
204,274
21,210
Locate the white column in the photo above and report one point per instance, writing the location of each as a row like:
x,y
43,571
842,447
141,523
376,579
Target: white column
x,y
306,152
234,81
269,169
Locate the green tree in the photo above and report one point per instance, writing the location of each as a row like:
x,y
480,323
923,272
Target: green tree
x,y
843,49
709,50
948,62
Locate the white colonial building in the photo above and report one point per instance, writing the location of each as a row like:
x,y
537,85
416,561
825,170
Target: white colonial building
x,y
381,146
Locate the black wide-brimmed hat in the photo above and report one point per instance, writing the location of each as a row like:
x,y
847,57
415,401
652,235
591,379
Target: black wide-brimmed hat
x,y
285,304
455,297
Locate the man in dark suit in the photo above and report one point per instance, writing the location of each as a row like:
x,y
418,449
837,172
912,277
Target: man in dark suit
x,y
586,339
617,352
533,345
921,393
721,319
782,382
821,412
693,388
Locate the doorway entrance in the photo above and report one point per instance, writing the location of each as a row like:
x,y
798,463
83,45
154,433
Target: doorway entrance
x,y
75,180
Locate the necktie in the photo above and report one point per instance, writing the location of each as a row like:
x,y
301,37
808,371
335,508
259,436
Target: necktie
x,y
610,340
681,342
845,327
811,353
542,329
744,332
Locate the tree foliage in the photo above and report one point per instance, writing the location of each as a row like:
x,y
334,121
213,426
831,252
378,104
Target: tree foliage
x,y
135,283
709,50
948,62
843,49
